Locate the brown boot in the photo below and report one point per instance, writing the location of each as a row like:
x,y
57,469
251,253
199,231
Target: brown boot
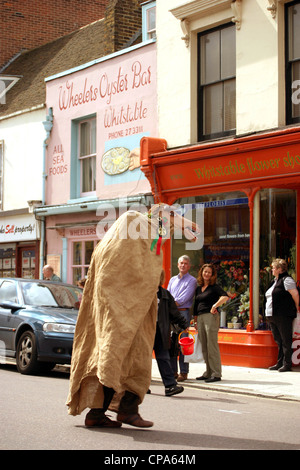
x,y
134,420
182,377
128,411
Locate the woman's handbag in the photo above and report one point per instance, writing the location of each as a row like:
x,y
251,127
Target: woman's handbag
x,y
197,355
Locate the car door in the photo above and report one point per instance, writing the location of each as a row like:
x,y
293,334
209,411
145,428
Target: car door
x,y
8,321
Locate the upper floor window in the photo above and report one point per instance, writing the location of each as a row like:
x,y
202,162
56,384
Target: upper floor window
x,y
149,20
293,62
6,83
216,83
87,155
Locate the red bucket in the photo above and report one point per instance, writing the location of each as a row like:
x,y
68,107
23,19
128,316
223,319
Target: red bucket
x,y
186,344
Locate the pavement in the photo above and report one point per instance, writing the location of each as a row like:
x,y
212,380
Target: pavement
x,y
243,380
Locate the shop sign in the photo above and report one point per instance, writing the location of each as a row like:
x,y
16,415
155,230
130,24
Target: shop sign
x,y
15,229
241,167
120,93
82,232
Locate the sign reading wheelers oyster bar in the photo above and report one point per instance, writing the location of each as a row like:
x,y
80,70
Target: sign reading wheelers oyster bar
x,y
116,97
16,229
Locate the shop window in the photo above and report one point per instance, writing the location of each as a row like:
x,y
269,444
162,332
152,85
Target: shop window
x,y
293,62
149,20
81,257
8,262
226,230
226,245
217,83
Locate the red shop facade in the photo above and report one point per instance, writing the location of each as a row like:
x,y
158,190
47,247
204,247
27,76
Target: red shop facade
x,y
249,192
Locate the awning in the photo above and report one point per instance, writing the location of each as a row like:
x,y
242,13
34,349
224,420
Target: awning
x,y
90,206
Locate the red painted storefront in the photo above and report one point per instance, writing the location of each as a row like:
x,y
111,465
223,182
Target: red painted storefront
x,y
248,164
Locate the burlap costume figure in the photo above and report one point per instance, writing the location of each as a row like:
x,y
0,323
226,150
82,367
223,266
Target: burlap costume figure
x,y
116,324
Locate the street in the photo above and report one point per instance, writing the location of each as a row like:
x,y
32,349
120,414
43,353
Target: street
x,y
34,417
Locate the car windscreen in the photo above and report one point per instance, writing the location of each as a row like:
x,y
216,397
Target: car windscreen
x,y
51,295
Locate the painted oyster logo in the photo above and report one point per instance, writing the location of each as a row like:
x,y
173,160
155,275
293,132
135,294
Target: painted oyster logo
x,y
116,161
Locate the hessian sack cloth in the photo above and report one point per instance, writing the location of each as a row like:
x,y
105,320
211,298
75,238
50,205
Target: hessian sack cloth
x,y
116,324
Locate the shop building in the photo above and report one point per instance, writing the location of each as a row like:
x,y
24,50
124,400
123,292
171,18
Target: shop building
x,y
26,123
232,150
100,111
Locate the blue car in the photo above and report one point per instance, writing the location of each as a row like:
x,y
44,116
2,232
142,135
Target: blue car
x,y
37,322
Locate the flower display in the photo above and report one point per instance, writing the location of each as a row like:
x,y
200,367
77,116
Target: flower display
x,y
232,277
244,307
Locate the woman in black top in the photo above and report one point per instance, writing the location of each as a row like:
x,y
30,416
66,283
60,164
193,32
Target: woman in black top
x,y
208,297
282,304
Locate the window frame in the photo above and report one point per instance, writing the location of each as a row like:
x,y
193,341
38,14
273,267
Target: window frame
x,y
148,33
201,87
90,156
83,266
75,173
288,66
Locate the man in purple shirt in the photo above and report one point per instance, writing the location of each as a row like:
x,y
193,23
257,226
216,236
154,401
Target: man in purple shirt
x,y
182,287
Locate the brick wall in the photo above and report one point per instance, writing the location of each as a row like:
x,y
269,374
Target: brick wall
x,y
123,20
26,24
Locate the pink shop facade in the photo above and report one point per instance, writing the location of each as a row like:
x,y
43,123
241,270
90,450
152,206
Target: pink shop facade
x,y
97,115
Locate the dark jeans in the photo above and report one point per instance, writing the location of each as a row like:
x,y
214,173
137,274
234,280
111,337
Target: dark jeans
x,y
163,361
282,330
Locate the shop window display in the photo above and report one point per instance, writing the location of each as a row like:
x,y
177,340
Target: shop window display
x,y
81,253
226,244
7,262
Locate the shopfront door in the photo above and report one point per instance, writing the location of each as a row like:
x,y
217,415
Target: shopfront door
x,y
278,210
27,263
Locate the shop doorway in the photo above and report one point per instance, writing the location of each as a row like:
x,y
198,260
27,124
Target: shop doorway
x,y
278,226
278,208
26,262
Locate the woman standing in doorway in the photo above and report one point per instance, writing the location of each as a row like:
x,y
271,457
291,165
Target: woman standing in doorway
x,y
282,304
209,296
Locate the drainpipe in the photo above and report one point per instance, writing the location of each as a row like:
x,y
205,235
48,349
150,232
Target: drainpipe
x,y
48,124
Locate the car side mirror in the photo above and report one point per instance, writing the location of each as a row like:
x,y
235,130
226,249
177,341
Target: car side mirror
x,y
13,306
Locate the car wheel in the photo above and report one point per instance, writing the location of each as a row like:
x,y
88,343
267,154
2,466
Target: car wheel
x,y
26,355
